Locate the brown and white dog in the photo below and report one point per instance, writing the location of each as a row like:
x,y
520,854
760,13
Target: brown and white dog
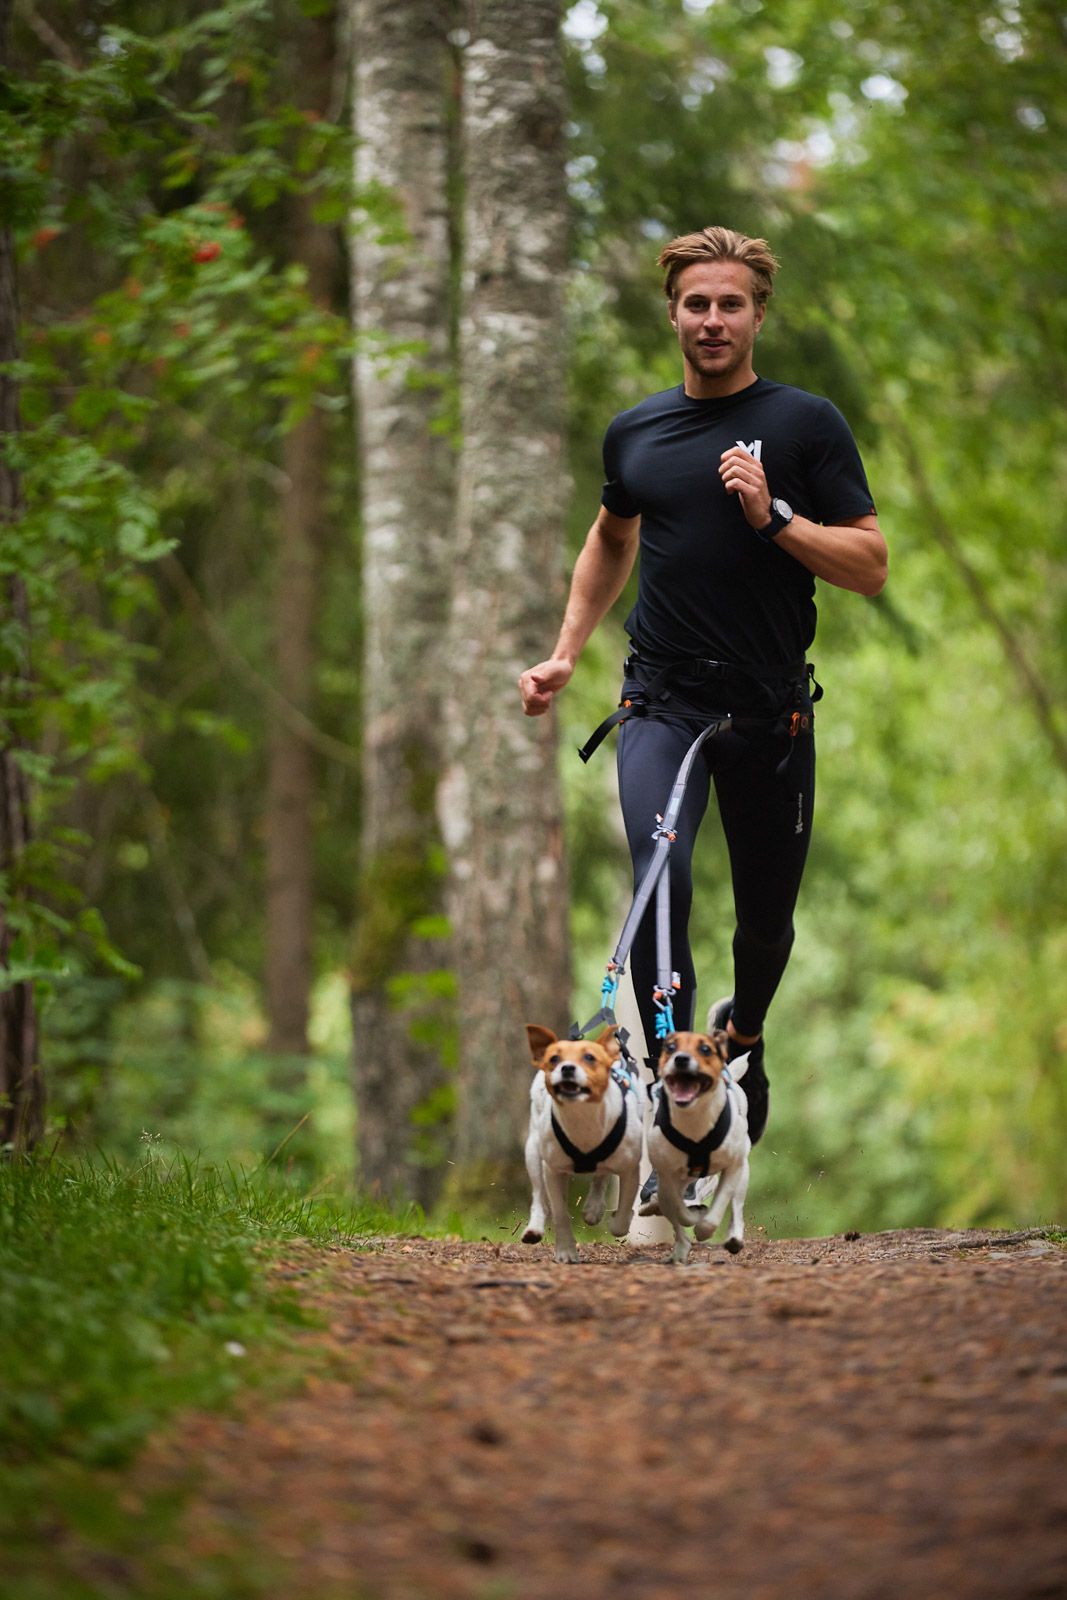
x,y
582,1119
700,1130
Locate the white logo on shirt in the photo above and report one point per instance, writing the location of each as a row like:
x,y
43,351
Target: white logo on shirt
x,y
755,449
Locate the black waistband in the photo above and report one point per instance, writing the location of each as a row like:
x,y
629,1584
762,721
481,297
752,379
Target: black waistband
x,y
705,669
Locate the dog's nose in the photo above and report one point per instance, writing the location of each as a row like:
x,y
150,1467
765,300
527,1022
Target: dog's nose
x,y
682,1058
568,1070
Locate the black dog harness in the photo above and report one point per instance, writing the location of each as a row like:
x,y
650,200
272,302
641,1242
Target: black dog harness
x,y
699,1151
589,1160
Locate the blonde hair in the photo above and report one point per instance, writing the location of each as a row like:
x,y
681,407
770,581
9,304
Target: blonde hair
x,y
720,244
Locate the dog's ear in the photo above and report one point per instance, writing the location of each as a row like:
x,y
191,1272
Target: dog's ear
x,y
739,1067
722,1042
540,1039
609,1041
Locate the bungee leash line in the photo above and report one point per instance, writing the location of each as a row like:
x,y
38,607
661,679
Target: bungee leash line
x,y
656,879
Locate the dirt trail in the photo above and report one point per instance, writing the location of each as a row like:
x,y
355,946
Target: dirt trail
x,y
882,1417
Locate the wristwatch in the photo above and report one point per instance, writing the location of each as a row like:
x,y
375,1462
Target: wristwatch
x,y
781,517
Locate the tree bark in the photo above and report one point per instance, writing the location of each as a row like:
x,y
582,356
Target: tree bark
x,y
402,1007
21,1085
500,800
291,772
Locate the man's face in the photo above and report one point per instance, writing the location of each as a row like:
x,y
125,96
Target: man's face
x,y
716,319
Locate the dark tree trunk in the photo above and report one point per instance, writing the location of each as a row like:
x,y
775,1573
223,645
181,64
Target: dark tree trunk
x,y
291,772
402,1005
21,1086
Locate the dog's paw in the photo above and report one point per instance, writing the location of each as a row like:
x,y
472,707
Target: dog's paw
x,y
532,1236
567,1254
735,1246
680,1254
704,1229
593,1212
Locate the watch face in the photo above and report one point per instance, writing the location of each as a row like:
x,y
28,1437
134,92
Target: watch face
x,y
783,509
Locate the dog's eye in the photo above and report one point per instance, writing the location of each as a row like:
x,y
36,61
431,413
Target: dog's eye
x,y
704,1049
555,1060
670,1044
589,1058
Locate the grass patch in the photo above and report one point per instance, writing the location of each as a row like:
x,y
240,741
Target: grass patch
x,y
128,1292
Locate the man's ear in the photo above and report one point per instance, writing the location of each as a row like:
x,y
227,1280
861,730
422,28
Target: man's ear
x,y
539,1039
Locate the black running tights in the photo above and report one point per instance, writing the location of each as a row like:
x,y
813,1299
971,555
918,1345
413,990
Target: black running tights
x,y
766,818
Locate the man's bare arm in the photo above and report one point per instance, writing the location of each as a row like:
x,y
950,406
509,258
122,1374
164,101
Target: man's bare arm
x,y
600,575
850,555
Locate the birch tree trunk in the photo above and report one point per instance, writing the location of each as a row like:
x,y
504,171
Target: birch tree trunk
x,y
500,800
402,1006
21,1087
291,771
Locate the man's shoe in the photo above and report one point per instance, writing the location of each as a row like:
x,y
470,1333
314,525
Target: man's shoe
x,y
755,1084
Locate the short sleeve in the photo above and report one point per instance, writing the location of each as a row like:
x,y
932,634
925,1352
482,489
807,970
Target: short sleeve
x,y
615,496
834,470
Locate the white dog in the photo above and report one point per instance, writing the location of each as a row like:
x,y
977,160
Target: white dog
x,y
587,1114
700,1130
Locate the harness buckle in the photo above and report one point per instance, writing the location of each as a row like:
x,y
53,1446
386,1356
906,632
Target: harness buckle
x,y
799,720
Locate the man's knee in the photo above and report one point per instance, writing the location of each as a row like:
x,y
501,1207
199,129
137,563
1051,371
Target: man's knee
x,y
768,945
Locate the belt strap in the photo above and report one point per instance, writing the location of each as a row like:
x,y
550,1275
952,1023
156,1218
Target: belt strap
x,y
639,703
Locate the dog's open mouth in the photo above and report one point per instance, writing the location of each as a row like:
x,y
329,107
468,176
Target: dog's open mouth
x,y
570,1091
685,1087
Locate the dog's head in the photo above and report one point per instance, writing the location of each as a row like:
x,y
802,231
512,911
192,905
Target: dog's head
x,y
691,1064
574,1069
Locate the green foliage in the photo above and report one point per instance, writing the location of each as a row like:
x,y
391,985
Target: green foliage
x,y
147,173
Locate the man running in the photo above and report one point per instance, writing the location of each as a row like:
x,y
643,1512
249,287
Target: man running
x,y
739,493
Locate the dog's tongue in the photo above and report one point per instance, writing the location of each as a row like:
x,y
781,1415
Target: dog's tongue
x,y
683,1089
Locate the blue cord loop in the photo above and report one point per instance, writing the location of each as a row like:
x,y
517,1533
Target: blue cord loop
x,y
664,1014
610,987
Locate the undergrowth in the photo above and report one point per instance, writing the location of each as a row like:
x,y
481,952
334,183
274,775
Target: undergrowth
x,y
128,1291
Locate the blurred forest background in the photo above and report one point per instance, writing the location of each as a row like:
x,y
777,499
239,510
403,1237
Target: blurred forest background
x,y
281,859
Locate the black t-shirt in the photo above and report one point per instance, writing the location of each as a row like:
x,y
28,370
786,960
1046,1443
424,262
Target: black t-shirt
x,y
708,585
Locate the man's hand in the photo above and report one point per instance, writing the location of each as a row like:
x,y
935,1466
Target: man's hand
x,y
540,685
742,474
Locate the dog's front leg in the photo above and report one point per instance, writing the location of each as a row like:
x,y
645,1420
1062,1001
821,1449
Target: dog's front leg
x,y
676,1211
623,1214
535,1168
558,1184
596,1199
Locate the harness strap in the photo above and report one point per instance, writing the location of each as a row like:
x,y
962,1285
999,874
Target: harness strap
x,y
589,1160
635,706
699,1151
638,704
